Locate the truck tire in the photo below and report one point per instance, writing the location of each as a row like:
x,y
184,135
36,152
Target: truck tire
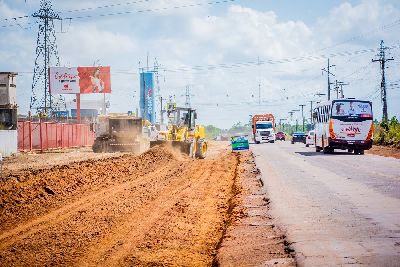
x,y
272,141
201,149
317,149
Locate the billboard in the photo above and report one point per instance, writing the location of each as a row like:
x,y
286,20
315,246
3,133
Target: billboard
x,y
146,102
79,80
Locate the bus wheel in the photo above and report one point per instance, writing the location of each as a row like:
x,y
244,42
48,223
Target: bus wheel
x,y
350,150
327,150
317,149
362,152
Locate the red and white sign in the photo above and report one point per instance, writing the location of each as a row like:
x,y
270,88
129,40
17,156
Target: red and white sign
x,y
80,80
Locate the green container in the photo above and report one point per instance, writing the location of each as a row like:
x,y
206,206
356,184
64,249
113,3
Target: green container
x,y
239,142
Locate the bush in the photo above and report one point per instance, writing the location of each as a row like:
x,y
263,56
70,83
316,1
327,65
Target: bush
x,y
387,133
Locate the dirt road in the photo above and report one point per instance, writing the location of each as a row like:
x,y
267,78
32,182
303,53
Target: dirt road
x,y
341,209
158,209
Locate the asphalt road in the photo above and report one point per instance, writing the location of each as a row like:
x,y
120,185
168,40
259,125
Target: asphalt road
x,y
340,209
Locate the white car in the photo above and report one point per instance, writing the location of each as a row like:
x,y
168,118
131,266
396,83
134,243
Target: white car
x,y
310,138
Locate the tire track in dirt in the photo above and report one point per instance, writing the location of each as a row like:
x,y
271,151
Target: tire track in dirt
x,y
23,198
119,242
58,215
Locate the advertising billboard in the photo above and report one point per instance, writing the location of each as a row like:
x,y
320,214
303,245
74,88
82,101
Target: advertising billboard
x,y
146,102
79,80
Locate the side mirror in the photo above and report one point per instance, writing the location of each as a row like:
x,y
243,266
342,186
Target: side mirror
x,y
195,115
252,126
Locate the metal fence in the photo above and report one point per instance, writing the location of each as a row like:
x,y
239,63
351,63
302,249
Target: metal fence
x,y
43,136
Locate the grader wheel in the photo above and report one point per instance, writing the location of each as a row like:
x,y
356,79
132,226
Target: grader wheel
x,y
201,152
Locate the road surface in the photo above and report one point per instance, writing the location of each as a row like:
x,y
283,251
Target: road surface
x,y
339,209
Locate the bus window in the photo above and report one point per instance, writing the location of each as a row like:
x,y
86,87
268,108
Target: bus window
x,y
355,108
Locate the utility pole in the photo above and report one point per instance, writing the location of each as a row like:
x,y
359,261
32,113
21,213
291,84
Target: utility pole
x,y
302,113
259,81
341,84
187,95
327,70
311,111
161,111
46,56
291,115
382,60
297,122
280,124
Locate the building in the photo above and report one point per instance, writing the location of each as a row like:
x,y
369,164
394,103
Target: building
x,y
8,114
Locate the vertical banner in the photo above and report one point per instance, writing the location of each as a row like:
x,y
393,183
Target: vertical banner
x,y
146,102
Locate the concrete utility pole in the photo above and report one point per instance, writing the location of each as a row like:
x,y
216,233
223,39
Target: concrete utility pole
x,y
161,111
291,115
341,84
311,111
327,70
297,122
280,124
382,60
259,81
302,114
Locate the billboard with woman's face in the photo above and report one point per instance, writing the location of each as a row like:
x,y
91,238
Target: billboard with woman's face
x,y
80,80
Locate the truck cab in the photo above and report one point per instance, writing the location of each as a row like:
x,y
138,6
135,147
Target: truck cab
x,y
263,126
264,132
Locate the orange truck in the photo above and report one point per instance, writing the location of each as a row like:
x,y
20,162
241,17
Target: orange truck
x,y
263,128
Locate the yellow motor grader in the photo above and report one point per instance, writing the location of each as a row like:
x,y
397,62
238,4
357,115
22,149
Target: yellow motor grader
x,y
182,132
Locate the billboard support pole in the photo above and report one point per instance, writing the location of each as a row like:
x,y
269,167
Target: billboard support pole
x,y
78,108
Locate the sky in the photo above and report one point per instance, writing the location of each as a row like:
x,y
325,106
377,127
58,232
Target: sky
x,y
225,51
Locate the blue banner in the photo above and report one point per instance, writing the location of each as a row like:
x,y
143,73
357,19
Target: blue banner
x,y
147,92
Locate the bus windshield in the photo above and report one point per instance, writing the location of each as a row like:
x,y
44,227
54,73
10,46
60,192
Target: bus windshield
x,y
356,108
264,125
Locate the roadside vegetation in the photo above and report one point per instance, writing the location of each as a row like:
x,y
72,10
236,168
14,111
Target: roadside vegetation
x,y
238,128
387,133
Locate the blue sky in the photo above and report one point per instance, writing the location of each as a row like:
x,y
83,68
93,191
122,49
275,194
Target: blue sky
x,y
227,33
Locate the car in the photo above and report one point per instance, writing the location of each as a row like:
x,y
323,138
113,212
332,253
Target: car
x,y
280,136
299,137
310,138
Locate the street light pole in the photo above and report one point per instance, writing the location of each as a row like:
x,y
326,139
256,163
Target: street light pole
x,y
302,113
297,122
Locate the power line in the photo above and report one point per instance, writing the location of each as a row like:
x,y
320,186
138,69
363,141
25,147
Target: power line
x,y
126,12
271,61
151,10
105,6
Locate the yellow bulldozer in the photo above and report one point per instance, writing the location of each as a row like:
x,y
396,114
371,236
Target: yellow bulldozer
x,y
183,133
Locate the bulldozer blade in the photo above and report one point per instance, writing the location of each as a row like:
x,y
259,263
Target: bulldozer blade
x,y
184,147
157,143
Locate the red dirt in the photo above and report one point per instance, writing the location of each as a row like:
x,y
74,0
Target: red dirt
x,y
385,151
155,209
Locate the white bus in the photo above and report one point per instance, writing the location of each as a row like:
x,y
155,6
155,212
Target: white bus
x,y
343,124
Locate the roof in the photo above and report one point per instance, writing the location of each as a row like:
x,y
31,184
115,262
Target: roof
x,y
9,73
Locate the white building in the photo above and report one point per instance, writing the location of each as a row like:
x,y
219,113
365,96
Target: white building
x,y
8,114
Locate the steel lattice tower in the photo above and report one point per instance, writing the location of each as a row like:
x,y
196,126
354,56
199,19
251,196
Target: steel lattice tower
x,y
46,56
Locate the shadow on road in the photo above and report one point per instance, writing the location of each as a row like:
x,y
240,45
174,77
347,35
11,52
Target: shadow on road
x,y
308,154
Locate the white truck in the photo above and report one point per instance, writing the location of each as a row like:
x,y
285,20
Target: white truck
x,y
263,128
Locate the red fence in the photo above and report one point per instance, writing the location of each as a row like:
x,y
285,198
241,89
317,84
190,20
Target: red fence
x,y
42,136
